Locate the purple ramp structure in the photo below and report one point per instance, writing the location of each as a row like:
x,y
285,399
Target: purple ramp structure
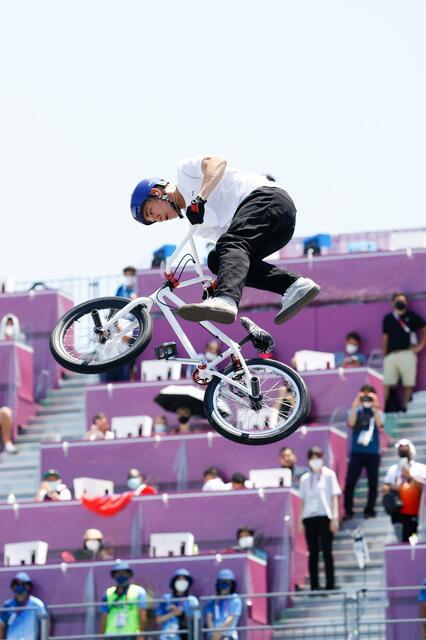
x,y
63,584
16,381
38,312
405,567
178,462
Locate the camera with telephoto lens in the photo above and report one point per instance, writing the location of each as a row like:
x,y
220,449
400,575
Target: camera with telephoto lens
x,y
366,399
165,350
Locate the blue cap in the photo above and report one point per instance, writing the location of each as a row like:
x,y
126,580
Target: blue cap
x,y
141,194
181,573
120,565
22,577
226,574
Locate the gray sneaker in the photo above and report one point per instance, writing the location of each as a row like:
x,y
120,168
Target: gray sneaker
x,y
297,296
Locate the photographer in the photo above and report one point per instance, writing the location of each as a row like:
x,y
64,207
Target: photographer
x,y
365,420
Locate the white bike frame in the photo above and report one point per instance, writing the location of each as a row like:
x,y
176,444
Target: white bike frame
x,y
161,294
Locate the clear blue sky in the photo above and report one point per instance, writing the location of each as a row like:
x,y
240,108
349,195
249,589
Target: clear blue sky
x,y
94,95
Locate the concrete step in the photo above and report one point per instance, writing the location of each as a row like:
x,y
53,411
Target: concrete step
x,y
49,436
59,401
57,428
59,410
53,419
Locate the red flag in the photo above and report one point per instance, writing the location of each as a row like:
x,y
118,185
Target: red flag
x,y
110,505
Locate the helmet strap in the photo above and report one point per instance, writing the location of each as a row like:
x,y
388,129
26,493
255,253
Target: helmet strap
x,y
174,206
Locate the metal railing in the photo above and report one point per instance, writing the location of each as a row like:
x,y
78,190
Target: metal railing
x,y
340,615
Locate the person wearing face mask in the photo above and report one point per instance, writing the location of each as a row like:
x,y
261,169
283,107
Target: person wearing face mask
x,y
288,460
136,482
160,424
22,623
128,288
365,419
124,608
178,609
222,614
407,478
52,488
10,329
404,337
319,492
183,415
351,356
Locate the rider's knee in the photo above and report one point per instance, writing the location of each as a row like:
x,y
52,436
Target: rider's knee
x,y
213,261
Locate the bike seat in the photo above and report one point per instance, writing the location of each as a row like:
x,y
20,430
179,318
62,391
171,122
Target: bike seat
x,y
262,341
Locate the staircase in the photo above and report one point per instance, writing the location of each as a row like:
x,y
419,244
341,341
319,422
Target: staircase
x,y
61,416
353,612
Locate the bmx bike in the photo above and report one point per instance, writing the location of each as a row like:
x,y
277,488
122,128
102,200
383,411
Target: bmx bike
x,y
255,401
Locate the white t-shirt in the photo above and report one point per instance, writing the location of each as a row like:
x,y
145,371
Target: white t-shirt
x,y
317,491
225,198
216,484
417,471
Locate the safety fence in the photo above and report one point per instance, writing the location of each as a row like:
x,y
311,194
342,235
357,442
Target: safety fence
x,y
308,615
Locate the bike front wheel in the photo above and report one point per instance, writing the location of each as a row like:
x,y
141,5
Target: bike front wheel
x,y
284,404
79,345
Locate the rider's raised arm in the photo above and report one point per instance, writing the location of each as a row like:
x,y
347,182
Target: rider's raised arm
x,y
213,169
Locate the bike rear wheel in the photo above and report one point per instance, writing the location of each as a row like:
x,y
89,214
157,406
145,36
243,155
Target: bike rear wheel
x,y
77,345
285,403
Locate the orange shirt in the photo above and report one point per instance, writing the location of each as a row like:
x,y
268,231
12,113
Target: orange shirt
x,y
410,495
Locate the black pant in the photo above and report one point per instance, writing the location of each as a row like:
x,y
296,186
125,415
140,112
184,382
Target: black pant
x,y
358,462
263,223
319,536
409,524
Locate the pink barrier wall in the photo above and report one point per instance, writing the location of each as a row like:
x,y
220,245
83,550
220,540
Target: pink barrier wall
x,y
88,582
405,566
16,381
181,460
38,312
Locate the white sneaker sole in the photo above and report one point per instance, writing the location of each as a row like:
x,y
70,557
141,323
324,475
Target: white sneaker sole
x,y
198,313
287,314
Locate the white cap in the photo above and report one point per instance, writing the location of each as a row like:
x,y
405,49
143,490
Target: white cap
x,y
404,442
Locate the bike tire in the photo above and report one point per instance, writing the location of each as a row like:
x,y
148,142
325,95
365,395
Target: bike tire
x,y
141,342
286,430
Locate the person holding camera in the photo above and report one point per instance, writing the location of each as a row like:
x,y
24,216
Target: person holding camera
x,y
405,480
365,420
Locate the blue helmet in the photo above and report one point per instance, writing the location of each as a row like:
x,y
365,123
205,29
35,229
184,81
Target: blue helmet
x,y
141,194
226,574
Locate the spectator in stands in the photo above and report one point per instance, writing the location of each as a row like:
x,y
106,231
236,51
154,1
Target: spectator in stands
x,y
351,356
94,548
238,481
406,478
10,329
404,337
99,429
128,288
319,492
130,618
245,537
223,614
175,613
52,488
6,430
422,612
25,623
183,416
365,419
160,424
136,482
288,460
213,480
211,351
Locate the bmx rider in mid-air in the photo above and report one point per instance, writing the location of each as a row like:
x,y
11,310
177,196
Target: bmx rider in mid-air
x,y
248,216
